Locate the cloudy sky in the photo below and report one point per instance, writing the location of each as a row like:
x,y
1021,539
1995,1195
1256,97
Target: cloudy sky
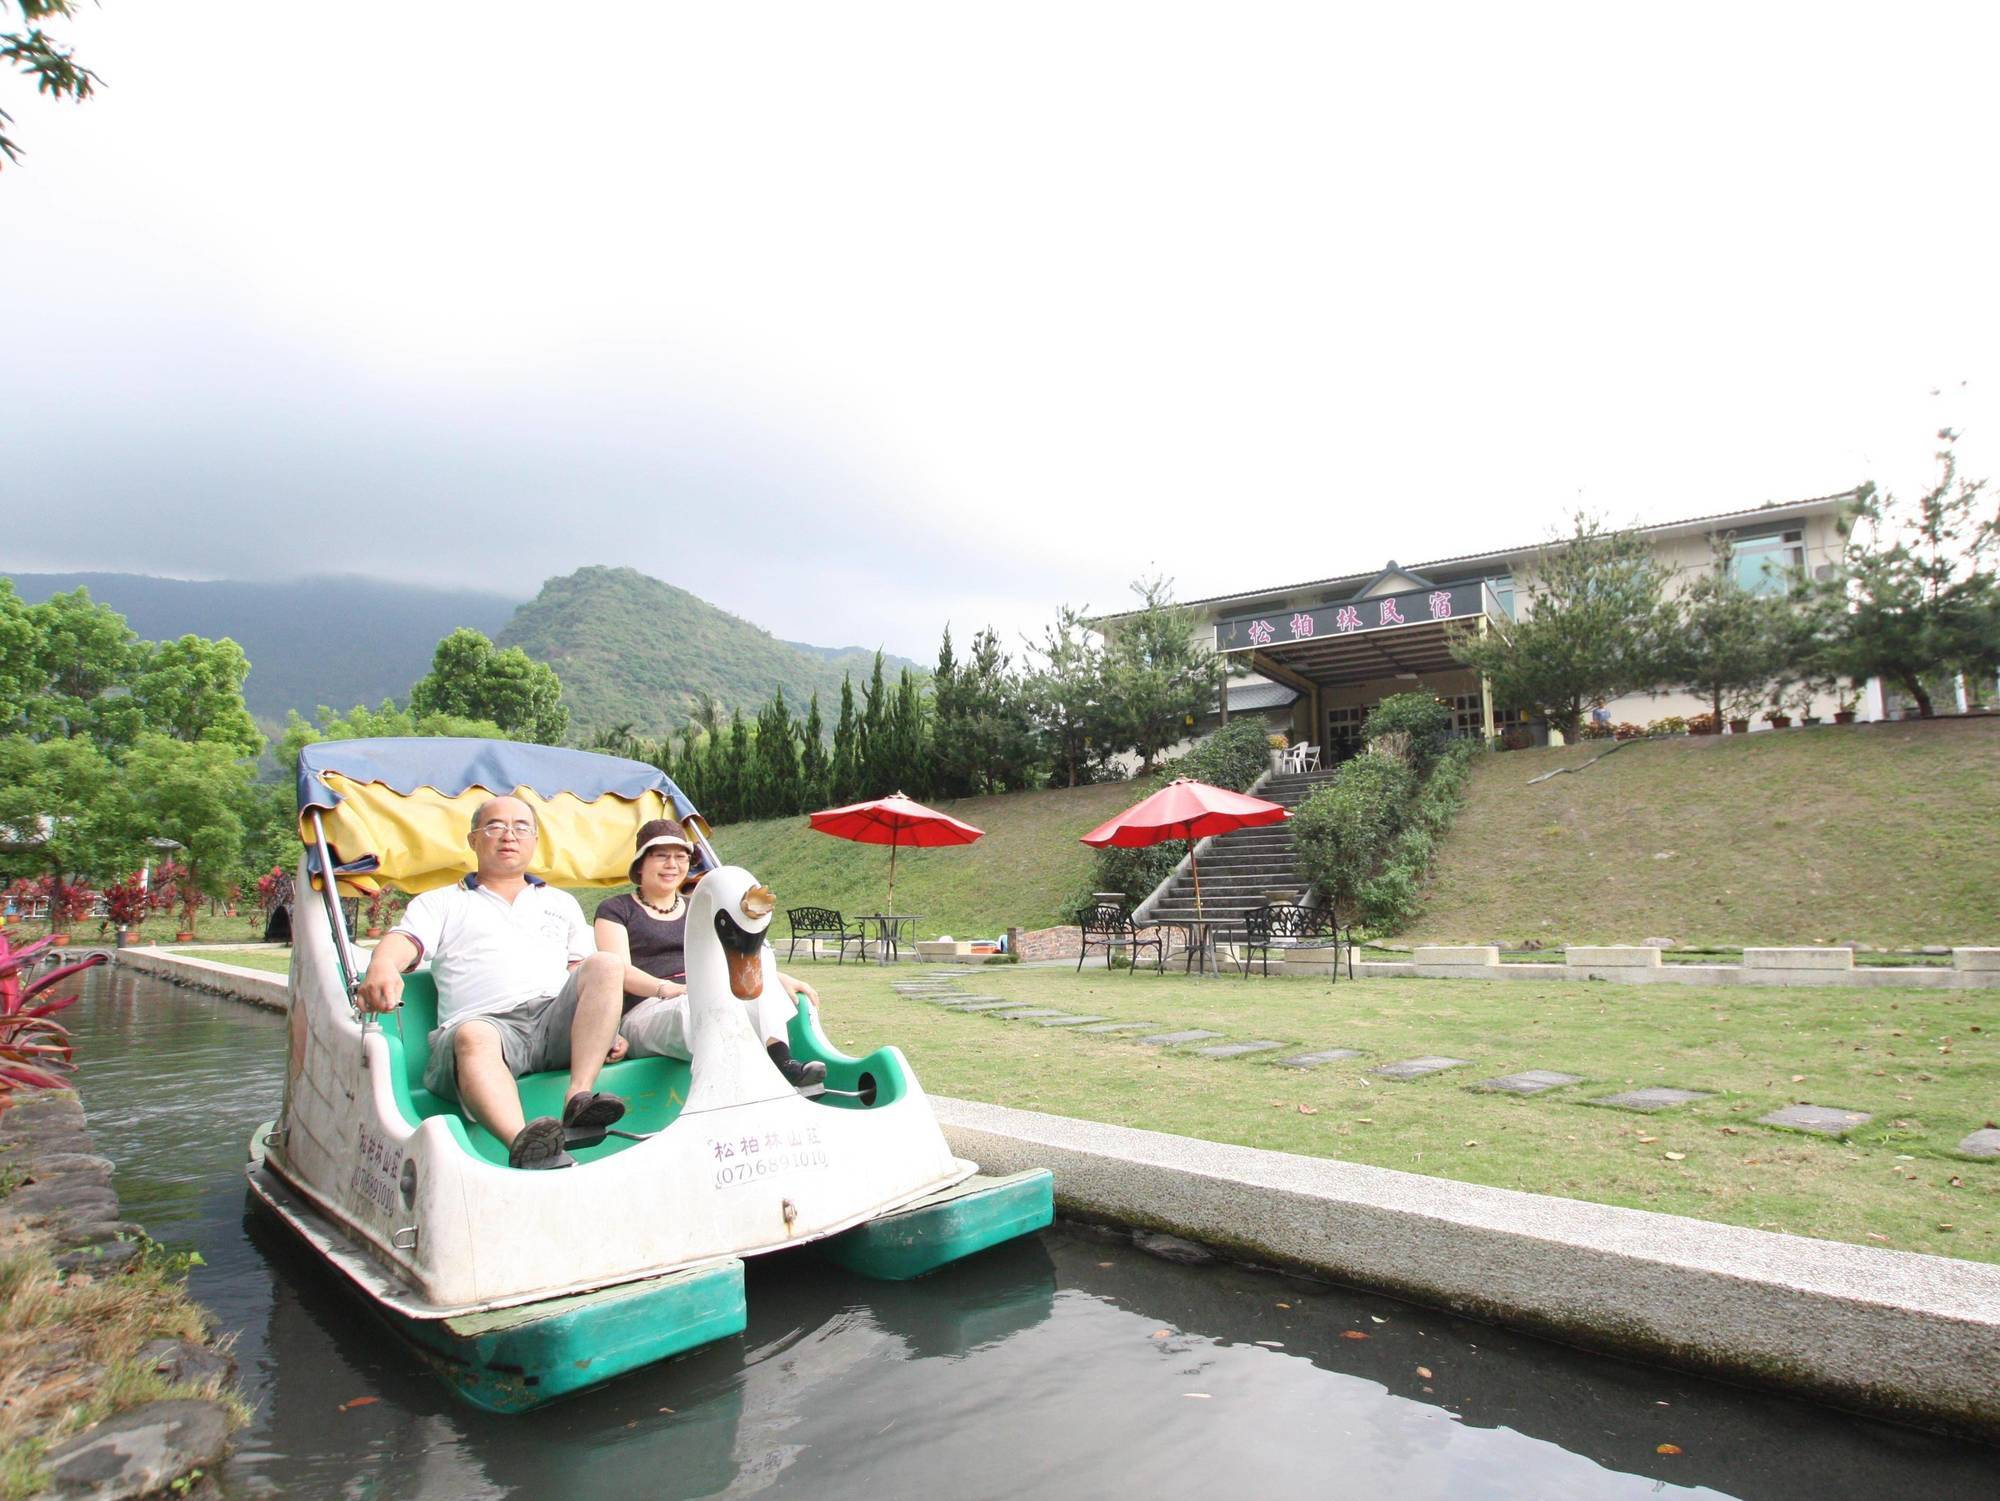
x,y
857,318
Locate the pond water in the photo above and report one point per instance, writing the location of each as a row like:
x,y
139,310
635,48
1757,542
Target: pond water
x,y
1070,1365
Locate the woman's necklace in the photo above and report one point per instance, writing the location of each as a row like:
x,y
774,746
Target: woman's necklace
x,y
666,914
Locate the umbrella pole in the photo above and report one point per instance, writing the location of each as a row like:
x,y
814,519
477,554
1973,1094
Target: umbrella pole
x,y
1194,865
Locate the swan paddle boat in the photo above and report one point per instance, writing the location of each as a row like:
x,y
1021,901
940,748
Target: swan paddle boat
x,y
520,1287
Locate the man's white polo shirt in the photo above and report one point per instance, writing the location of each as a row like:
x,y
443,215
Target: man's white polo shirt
x,y
488,953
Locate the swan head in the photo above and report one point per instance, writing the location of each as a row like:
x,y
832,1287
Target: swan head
x,y
730,904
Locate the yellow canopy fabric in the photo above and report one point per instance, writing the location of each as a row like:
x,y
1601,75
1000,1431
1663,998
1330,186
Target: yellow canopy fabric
x,y
419,839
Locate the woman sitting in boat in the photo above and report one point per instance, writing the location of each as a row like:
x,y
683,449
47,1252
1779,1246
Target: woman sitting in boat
x,y
647,933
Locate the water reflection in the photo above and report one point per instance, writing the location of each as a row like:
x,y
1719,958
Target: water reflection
x,y
1072,1365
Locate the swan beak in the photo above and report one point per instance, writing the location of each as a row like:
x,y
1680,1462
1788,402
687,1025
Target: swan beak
x,y
758,902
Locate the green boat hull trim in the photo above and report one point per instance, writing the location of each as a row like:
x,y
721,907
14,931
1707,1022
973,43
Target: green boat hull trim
x,y
515,1359
946,1227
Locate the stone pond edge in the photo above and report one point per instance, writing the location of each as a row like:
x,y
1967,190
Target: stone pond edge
x,y
1897,1334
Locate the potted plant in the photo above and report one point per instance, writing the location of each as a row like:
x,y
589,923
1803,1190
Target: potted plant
x,y
181,880
1703,724
1278,744
1738,710
126,903
1777,713
381,908
1801,702
1848,696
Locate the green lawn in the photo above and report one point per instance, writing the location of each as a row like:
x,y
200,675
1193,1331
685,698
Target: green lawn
x,y
1884,834
279,961
1922,1062
1029,863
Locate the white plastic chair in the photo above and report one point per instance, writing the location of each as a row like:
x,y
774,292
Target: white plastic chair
x,y
1305,758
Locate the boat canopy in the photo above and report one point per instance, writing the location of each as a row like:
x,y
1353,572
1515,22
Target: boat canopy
x,y
397,811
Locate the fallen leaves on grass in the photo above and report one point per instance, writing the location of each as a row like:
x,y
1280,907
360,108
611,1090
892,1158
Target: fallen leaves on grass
x,y
1675,1156
1308,1110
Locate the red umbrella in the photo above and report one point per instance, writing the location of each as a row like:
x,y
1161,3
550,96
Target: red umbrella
x,y
1185,809
894,821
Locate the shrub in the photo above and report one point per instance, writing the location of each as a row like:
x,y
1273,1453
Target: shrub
x,y
1703,724
1595,730
1672,724
1389,899
1425,719
1626,730
1343,832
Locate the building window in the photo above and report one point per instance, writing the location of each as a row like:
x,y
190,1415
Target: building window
x,y
1765,565
1503,590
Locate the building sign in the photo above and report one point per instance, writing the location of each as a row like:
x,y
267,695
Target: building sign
x,y
1384,612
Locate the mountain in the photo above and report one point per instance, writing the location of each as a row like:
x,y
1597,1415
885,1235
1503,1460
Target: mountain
x,y
632,649
340,641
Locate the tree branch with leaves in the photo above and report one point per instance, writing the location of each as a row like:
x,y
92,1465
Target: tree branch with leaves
x,y
32,51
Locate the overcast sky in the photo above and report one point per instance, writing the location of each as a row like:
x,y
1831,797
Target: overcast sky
x,y
857,318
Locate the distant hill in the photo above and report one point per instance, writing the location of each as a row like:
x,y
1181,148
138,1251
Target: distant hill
x,y
632,649
331,640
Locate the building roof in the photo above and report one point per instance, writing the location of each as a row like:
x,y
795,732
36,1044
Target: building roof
x,y
1247,698
1356,582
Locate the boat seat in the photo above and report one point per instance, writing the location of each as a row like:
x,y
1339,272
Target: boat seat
x,y
654,1089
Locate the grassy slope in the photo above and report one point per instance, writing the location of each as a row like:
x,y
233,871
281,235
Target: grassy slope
x,y
1875,833
1028,864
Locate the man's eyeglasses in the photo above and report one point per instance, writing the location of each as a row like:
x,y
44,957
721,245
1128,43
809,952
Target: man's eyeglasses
x,y
494,828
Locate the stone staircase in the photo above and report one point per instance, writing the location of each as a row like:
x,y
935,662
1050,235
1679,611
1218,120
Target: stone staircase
x,y
1243,870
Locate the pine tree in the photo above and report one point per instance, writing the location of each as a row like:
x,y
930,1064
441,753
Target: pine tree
x,y
812,760
907,765
873,748
844,771
777,759
949,777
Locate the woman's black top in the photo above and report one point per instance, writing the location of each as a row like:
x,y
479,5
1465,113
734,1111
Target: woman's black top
x,y
658,944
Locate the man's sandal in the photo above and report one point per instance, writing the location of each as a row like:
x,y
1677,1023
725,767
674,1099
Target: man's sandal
x,y
540,1145
592,1111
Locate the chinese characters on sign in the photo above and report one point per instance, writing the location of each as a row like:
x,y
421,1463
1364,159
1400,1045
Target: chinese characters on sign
x,y
1380,612
744,1159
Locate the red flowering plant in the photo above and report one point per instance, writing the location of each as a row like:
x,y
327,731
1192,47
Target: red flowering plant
x,y
383,904
178,884
34,1051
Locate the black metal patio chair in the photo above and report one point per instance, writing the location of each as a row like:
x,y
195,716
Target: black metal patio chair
x,y
815,923
1285,925
1110,927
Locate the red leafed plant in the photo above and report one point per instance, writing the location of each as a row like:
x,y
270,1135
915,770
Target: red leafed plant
x,y
130,901
34,1051
180,880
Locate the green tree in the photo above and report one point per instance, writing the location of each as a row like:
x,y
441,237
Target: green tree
x,y
472,679
84,654
64,812
1912,597
362,723
872,746
813,767
195,794
1157,673
1729,641
777,760
906,761
1065,699
1598,626
844,768
998,749
34,52
951,774
19,674
192,689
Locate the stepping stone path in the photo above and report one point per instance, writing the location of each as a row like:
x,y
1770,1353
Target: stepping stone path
x,y
1822,1120
1651,1099
1314,1060
1417,1068
940,988
1984,1142
1533,1081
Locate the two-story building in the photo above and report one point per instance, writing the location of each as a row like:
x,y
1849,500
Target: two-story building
x,y
1313,658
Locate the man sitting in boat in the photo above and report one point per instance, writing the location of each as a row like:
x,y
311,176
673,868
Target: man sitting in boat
x,y
520,989
647,933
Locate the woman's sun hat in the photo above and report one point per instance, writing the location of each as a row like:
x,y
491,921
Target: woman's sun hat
x,y
661,833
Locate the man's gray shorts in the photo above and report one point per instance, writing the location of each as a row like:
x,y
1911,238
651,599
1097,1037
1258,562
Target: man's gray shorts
x,y
534,1035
